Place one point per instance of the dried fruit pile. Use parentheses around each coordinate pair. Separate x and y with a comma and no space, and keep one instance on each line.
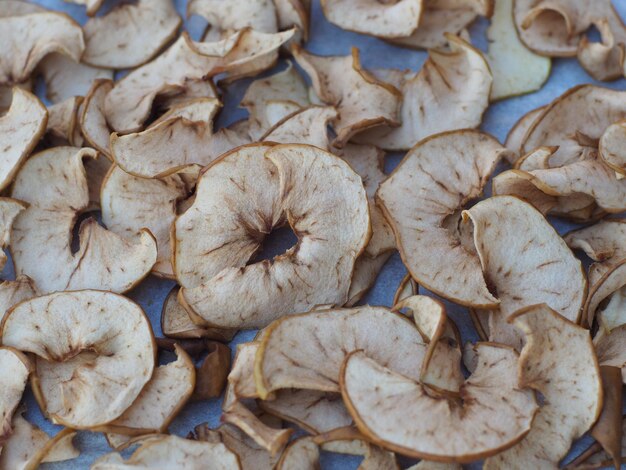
(120,176)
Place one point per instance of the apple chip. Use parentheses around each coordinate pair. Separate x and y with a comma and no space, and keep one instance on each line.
(525,260)
(306,126)
(382,19)
(315,412)
(604,242)
(443,17)
(302,453)
(361,100)
(20,130)
(28,446)
(612,286)
(263,187)
(251,455)
(558,361)
(611,147)
(427,465)
(92,120)
(306,351)
(165,394)
(286,88)
(603,60)
(63,128)
(131,204)
(573,124)
(368,161)
(65,78)
(451,91)
(538,159)
(556,27)
(42,234)
(226,16)
(94,353)
(175,322)
(130,34)
(517,134)
(609,347)
(15,368)
(585,181)
(430,187)
(265,435)
(494,414)
(14,292)
(178,139)
(164,451)
(516,70)
(246,52)
(27,39)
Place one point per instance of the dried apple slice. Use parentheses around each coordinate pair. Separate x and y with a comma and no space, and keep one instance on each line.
(517,134)
(495,413)
(315,412)
(368,161)
(589,180)
(538,159)
(268,437)
(62,128)
(92,120)
(29,446)
(180,138)
(162,398)
(558,360)
(361,100)
(611,147)
(226,16)
(525,260)
(285,87)
(304,453)
(306,126)
(15,368)
(256,183)
(129,104)
(65,78)
(42,234)
(306,351)
(27,39)
(130,204)
(556,27)
(573,124)
(20,130)
(86,353)
(130,34)
(604,242)
(612,285)
(14,292)
(430,186)
(516,70)
(241,377)
(381,19)
(251,455)
(175,322)
(603,60)
(443,17)
(171,452)
(451,91)
(609,347)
